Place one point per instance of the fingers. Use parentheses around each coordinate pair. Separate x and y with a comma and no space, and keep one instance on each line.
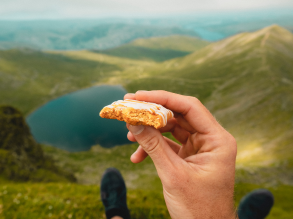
(153,143)
(195,113)
(139,155)
(173,145)
(131,137)
(130,96)
(177,131)
(183,123)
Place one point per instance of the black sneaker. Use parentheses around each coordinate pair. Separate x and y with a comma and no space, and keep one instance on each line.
(113,194)
(256,204)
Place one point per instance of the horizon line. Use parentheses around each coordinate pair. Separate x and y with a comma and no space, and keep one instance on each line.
(153,16)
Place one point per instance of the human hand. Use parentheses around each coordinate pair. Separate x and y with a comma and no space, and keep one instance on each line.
(197,176)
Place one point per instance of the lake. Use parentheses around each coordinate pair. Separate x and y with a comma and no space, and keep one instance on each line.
(72,122)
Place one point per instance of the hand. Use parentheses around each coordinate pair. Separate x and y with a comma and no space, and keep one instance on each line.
(197,176)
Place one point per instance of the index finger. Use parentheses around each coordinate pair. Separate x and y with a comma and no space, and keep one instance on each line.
(191,108)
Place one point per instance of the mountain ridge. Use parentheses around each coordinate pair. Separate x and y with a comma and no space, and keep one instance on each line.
(245,81)
(238,79)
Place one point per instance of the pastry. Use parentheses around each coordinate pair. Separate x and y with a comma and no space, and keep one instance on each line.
(137,112)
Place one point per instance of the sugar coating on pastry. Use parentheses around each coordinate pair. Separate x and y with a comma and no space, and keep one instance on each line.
(137,112)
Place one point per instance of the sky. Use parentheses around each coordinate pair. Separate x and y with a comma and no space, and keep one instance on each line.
(64,9)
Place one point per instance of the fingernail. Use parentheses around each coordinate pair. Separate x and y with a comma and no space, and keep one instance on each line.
(141,91)
(136,129)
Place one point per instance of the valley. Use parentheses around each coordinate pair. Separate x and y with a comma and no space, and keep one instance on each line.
(246,81)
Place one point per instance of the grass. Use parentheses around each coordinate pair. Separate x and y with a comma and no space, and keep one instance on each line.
(31,78)
(88,166)
(142,53)
(59,200)
(157,48)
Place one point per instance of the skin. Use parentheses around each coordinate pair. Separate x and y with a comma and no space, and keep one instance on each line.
(198,175)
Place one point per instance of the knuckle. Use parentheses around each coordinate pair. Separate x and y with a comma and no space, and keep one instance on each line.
(150,144)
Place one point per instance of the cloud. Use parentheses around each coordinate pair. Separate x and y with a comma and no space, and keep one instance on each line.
(100,8)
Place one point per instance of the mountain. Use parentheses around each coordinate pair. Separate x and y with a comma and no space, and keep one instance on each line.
(30,78)
(247,83)
(21,158)
(157,48)
(245,80)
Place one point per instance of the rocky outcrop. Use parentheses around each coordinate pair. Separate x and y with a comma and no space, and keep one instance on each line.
(21,157)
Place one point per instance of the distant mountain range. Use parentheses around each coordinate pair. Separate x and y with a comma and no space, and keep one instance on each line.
(76,37)
(101,34)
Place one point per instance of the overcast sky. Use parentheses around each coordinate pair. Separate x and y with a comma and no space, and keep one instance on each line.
(55,9)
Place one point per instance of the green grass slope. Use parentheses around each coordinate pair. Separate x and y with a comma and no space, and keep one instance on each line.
(157,48)
(88,166)
(73,201)
(247,83)
(175,42)
(145,198)
(30,78)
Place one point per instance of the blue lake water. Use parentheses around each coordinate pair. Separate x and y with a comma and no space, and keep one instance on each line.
(72,122)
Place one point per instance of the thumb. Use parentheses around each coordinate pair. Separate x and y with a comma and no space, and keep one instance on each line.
(152,141)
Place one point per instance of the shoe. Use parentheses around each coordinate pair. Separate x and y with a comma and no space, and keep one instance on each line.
(113,194)
(256,204)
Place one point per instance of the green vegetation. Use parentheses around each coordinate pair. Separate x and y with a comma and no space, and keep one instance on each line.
(88,166)
(21,158)
(31,78)
(157,48)
(175,42)
(60,200)
(145,199)
(246,81)
(142,53)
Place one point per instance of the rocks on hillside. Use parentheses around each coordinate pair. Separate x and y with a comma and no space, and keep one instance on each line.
(21,158)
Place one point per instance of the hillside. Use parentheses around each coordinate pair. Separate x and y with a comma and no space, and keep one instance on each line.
(30,78)
(245,80)
(21,158)
(157,48)
(247,83)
